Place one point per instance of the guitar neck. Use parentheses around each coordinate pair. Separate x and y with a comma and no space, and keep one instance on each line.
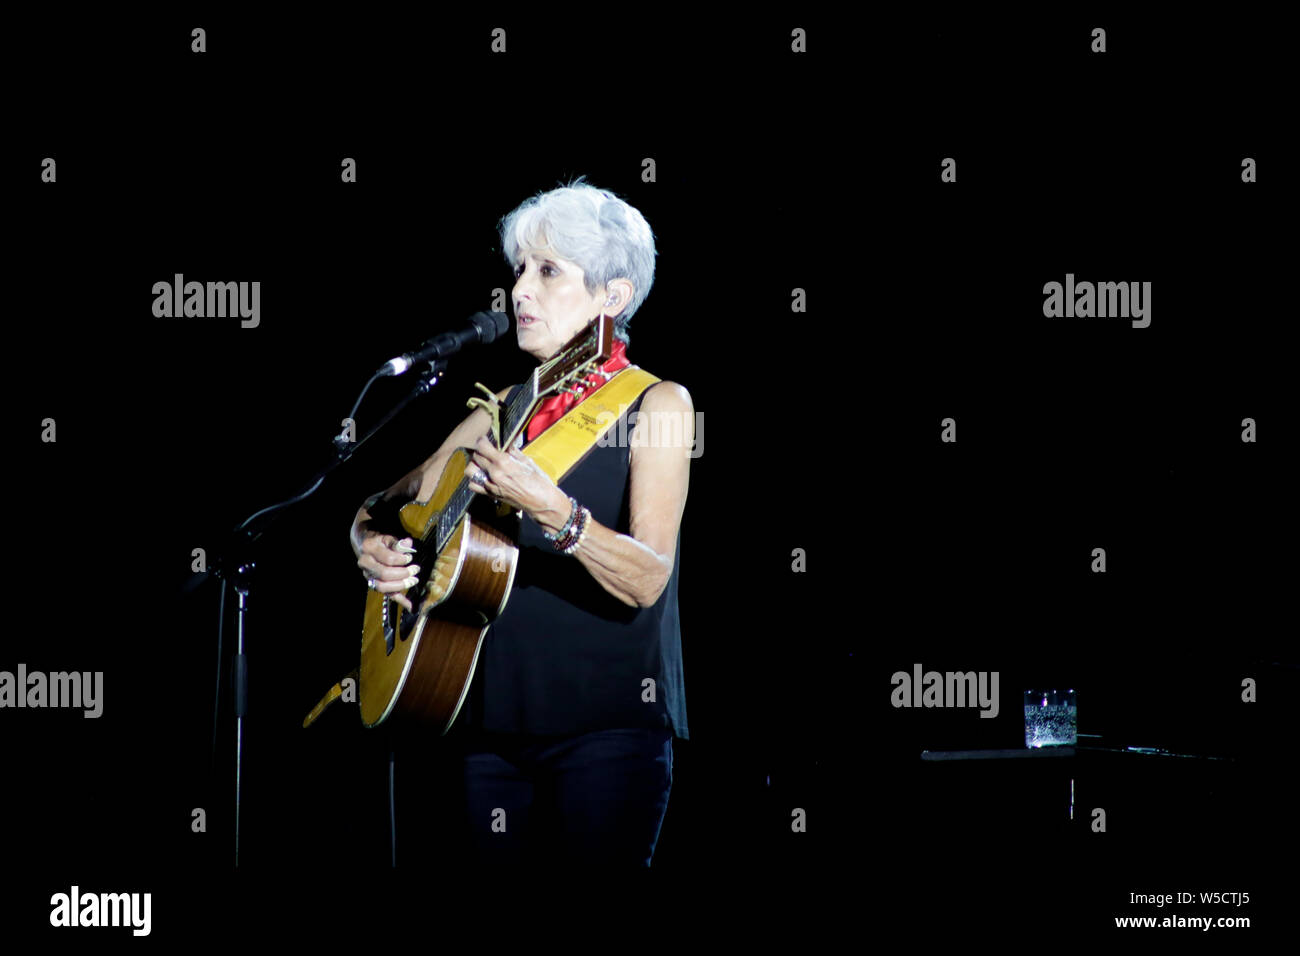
(520,409)
(513,418)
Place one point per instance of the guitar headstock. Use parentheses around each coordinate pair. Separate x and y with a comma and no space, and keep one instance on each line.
(589,348)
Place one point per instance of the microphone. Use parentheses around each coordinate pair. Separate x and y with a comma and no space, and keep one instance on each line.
(484,327)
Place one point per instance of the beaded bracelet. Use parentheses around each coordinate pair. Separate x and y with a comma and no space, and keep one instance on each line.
(579,533)
(565,540)
(586,520)
(573,514)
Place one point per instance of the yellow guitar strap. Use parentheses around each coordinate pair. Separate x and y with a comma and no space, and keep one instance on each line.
(560,448)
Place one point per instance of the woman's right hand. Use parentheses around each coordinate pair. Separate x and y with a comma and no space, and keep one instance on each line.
(387,562)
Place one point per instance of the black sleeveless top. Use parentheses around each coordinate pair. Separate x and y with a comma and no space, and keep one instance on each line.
(566,657)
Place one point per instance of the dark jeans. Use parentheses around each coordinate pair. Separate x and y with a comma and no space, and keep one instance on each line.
(594,800)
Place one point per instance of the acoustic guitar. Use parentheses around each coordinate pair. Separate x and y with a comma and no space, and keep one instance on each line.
(418,664)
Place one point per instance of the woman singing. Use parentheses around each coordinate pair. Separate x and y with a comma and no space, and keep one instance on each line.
(566,734)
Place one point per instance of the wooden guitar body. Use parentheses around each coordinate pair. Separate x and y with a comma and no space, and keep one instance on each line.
(419,665)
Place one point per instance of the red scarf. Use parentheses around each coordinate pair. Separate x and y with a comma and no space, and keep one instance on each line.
(557,406)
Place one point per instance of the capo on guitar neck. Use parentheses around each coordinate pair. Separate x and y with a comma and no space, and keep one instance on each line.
(491,405)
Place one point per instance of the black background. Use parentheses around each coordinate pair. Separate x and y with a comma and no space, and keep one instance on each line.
(774,171)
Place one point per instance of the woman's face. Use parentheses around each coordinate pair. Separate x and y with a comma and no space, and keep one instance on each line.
(551,303)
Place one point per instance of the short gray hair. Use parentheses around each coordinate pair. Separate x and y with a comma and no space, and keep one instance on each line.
(606,237)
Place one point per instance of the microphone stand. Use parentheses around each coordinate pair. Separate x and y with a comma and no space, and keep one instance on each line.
(236,564)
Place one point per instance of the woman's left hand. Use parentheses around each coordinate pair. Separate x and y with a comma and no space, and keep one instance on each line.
(514,478)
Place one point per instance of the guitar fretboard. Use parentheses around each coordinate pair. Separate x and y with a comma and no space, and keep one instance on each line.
(518,410)
(513,417)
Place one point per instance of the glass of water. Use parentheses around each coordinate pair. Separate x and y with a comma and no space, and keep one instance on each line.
(1050,718)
